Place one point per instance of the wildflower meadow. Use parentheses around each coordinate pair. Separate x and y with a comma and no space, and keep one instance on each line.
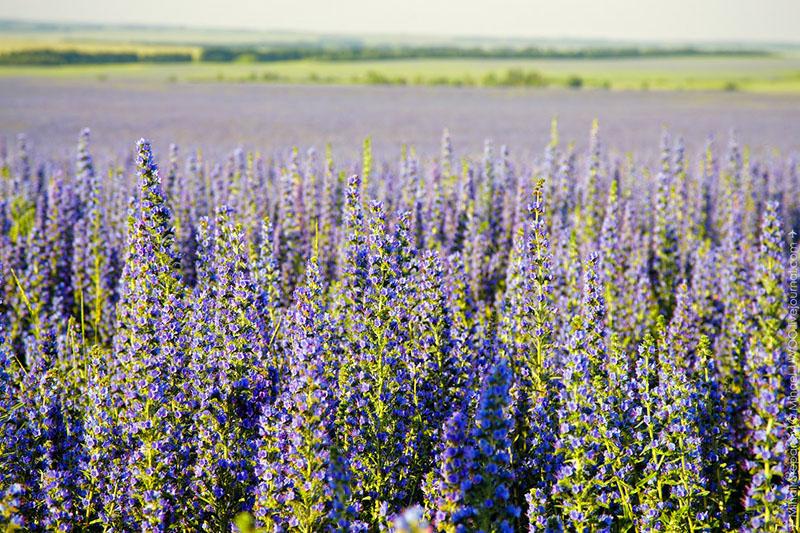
(579,341)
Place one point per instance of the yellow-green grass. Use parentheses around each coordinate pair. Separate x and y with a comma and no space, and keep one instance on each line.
(18,42)
(756,74)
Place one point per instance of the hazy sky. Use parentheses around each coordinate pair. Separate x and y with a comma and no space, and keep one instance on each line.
(735,20)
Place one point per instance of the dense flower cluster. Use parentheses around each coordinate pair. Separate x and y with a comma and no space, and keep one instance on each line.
(576,343)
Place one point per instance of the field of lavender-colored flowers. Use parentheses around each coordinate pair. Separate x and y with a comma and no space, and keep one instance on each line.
(221,117)
(575,340)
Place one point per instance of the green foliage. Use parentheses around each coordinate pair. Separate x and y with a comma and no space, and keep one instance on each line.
(514,78)
(23,217)
(373,53)
(574,82)
(48,57)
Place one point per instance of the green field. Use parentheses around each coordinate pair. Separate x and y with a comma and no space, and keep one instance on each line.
(777,72)
(770,74)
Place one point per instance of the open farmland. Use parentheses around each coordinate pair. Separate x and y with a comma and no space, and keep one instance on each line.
(779,74)
(284,57)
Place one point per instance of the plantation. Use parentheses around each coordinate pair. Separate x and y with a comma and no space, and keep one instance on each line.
(578,342)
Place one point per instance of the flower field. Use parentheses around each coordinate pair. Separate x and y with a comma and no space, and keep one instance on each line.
(579,342)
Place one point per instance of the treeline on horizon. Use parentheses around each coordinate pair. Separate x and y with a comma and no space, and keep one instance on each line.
(361,53)
(49,57)
(221,54)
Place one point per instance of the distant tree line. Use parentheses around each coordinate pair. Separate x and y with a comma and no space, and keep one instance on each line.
(362,53)
(221,54)
(48,57)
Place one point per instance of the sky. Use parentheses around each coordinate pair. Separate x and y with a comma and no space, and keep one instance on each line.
(650,20)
